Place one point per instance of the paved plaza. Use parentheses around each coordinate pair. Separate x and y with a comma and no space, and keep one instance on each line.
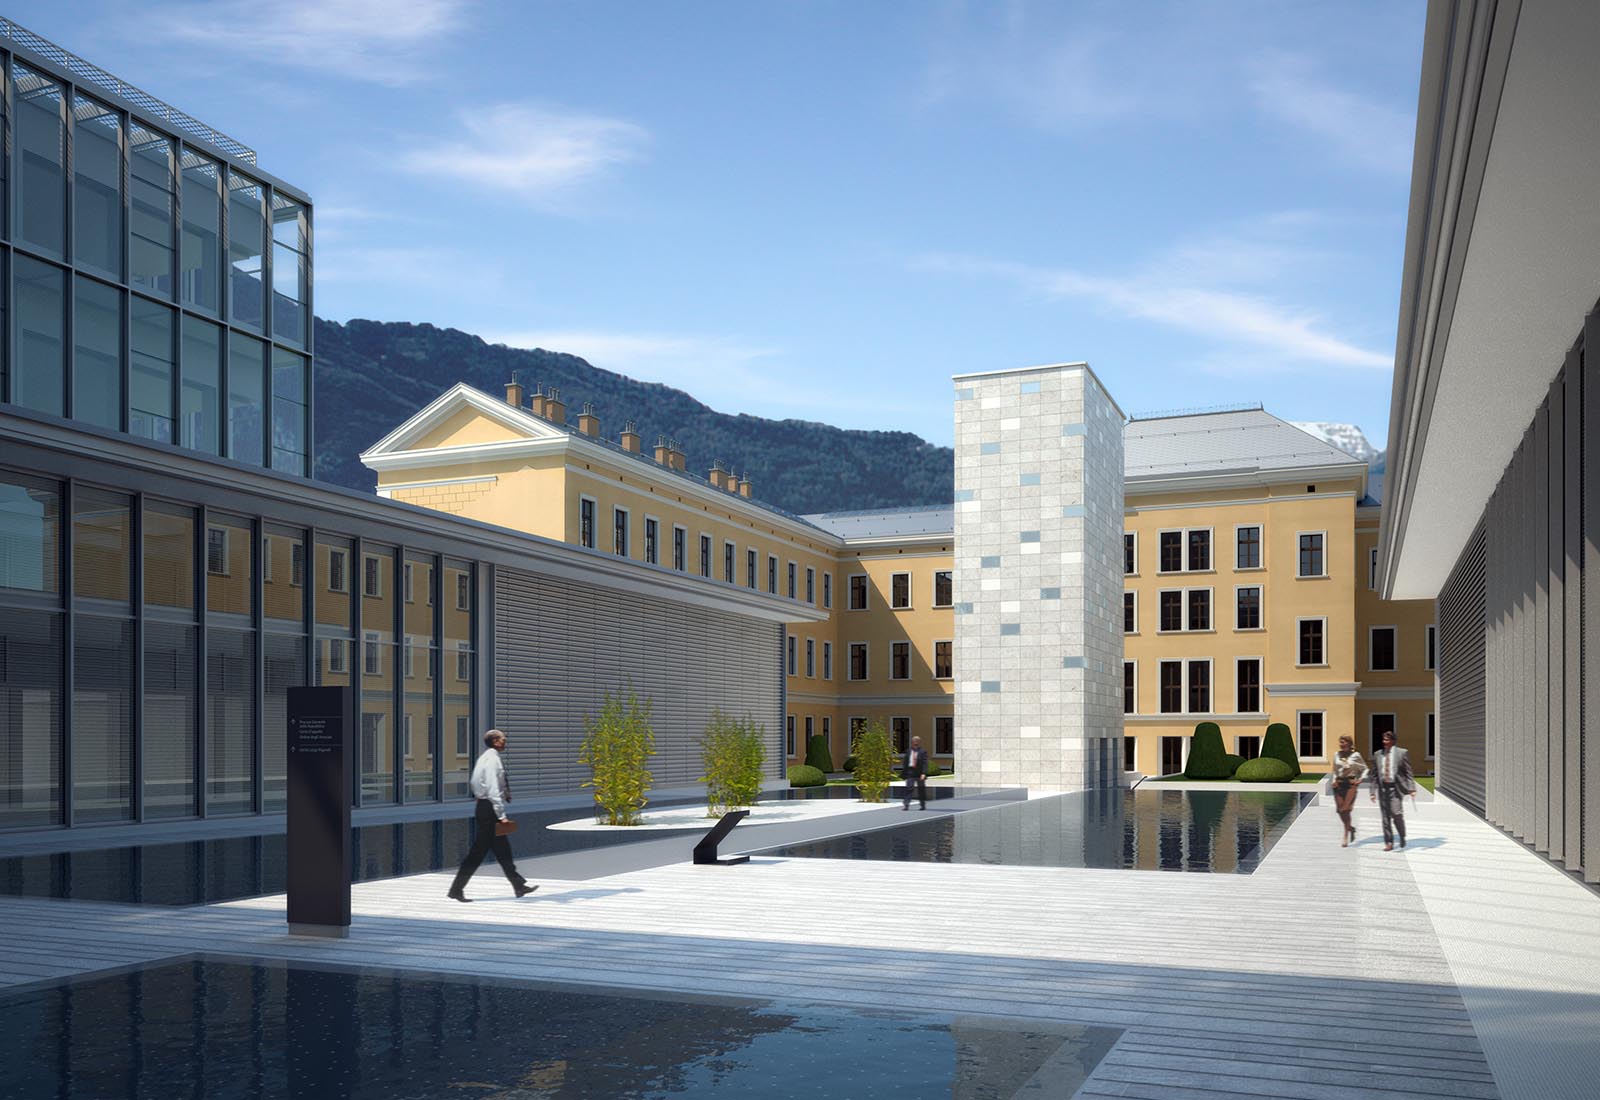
(1463,966)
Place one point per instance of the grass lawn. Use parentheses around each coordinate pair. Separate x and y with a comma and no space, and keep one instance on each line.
(1425,781)
(1308,777)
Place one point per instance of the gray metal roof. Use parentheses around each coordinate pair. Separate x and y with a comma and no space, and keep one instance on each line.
(1224,442)
(879,523)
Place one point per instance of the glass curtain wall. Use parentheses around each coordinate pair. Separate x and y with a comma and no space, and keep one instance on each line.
(419,672)
(230,574)
(97,187)
(171,661)
(376,727)
(457,674)
(283,652)
(31,639)
(102,655)
(152,194)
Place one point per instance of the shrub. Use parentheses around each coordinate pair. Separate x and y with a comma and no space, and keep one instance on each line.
(734,752)
(1264,769)
(1207,758)
(1279,744)
(1233,762)
(818,755)
(874,762)
(934,769)
(850,763)
(804,775)
(617,746)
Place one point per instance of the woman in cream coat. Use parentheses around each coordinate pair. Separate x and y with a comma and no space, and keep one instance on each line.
(1348,772)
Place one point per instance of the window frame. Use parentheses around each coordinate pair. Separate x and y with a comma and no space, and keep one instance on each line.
(1183,534)
(850,593)
(1161,686)
(1261,687)
(811,658)
(1130,610)
(652,539)
(730,561)
(950,582)
(827,660)
(790,655)
(850,662)
(1261,609)
(368,591)
(1372,569)
(1430,648)
(827,589)
(950,656)
(811,585)
(793,578)
(788,724)
(588,513)
(1261,547)
(705,555)
(1130,690)
(680,548)
(1130,553)
(1299,717)
(1185,618)
(226,550)
(1298,641)
(1372,648)
(1430,747)
(950,724)
(621,531)
(1299,561)
(896,648)
(752,568)
(1210,664)
(909,605)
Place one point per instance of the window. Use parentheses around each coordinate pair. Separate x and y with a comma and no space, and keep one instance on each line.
(247,245)
(1310,723)
(1199,609)
(463,736)
(1171,687)
(1186,550)
(680,559)
(1433,735)
(827,725)
(1312,546)
(788,731)
(1130,612)
(586,523)
(811,657)
(463,592)
(942,661)
(858,592)
(858,661)
(290,270)
(200,250)
(752,565)
(1429,655)
(944,590)
(1130,687)
(463,662)
(619,532)
(1129,753)
(372,576)
(728,551)
(200,403)
(297,564)
(1372,569)
(1313,641)
(794,587)
(827,660)
(247,399)
(1248,745)
(899,660)
(1200,687)
(336,655)
(857,724)
(1171,552)
(652,552)
(900,727)
(151,183)
(1381,724)
(1248,677)
(810,728)
(789,650)
(1247,608)
(97,354)
(900,591)
(811,585)
(827,590)
(336,572)
(371,660)
(290,426)
(39,215)
(150,411)
(705,555)
(1130,554)
(217,551)
(944,735)
(1381,646)
(1247,553)
(406,582)
(1199,551)
(1171,617)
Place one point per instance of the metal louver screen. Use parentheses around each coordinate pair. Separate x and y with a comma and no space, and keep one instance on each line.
(1461,678)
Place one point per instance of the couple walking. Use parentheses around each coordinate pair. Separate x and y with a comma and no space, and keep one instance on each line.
(1392,781)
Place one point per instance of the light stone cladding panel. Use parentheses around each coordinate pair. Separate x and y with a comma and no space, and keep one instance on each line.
(1038,578)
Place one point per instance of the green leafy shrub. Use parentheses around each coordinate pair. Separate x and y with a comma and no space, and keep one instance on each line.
(1207,758)
(818,755)
(804,775)
(934,769)
(617,747)
(850,763)
(874,757)
(734,752)
(1234,761)
(1264,769)
(1279,744)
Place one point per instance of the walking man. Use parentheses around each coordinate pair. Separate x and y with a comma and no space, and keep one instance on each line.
(914,770)
(1391,770)
(490,788)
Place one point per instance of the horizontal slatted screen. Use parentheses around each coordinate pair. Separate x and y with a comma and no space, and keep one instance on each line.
(560,646)
(1461,678)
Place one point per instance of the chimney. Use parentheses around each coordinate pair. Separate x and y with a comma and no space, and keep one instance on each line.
(630,437)
(514,393)
(675,456)
(538,399)
(588,422)
(555,410)
(663,451)
(744,486)
(716,476)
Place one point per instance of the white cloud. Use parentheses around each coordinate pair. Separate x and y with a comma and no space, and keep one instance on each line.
(1357,130)
(379,40)
(536,153)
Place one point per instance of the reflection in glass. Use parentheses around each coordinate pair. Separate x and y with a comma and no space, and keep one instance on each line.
(375,734)
(38,380)
(102,529)
(290,270)
(230,720)
(247,234)
(150,410)
(247,381)
(169,556)
(202,379)
(419,666)
(289,427)
(97,354)
(97,186)
(40,180)
(200,276)
(285,657)
(331,600)
(102,712)
(30,532)
(229,576)
(283,554)
(170,655)
(457,675)
(150,208)
(30,702)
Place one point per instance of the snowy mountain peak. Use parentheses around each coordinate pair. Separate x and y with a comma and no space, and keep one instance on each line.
(1347,437)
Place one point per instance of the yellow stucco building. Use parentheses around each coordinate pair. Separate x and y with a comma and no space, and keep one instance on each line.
(1249,594)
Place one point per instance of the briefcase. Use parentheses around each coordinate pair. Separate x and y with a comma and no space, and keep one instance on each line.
(504,828)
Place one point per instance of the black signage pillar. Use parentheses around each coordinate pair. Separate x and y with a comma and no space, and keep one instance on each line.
(319,811)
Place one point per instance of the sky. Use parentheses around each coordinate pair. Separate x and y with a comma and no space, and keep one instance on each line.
(823,210)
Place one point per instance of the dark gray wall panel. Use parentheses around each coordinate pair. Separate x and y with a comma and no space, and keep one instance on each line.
(1462,642)
(1572,653)
(1536,776)
(1589,766)
(1555,665)
(560,646)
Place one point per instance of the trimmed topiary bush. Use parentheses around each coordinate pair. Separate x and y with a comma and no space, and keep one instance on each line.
(1234,760)
(1279,744)
(1207,758)
(1264,769)
(804,775)
(818,755)
(850,763)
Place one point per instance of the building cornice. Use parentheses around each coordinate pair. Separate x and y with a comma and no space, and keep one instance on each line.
(1307,689)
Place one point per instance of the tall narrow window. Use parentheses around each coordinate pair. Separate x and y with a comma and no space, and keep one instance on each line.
(1433,735)
(772,574)
(619,532)
(727,561)
(1171,687)
(1199,609)
(752,565)
(1372,569)
(150,412)
(152,187)
(827,590)
(1249,685)
(944,735)
(1247,615)
(39,349)
(586,523)
(97,354)
(679,550)
(247,389)
(200,252)
(201,412)
(1429,656)
(900,590)
(1130,554)
(1171,552)
(943,588)
(1313,643)
(1171,610)
(858,661)
(789,655)
(1199,551)
(1248,553)
(899,660)
(705,556)
(1311,555)
(942,664)
(811,585)
(794,586)
(97,187)
(1130,684)
(1199,687)
(39,184)
(290,431)
(858,592)
(290,269)
(1310,722)
(651,553)
(1130,612)
(827,662)
(247,237)
(1383,649)
(811,657)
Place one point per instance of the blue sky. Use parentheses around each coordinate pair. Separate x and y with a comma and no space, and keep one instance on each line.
(823,210)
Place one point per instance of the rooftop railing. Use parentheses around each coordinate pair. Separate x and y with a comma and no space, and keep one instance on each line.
(93,76)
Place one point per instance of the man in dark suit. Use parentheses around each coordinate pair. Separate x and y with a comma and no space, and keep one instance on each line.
(1391,782)
(914,770)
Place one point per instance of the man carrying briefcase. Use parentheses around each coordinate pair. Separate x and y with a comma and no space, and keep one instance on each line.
(490,788)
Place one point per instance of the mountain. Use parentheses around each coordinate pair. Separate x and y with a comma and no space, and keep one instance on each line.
(1347,437)
(372,376)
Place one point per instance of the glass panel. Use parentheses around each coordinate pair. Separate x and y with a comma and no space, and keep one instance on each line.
(377,592)
(202,380)
(290,273)
(289,428)
(30,534)
(101,548)
(283,575)
(38,380)
(247,235)
(200,274)
(150,410)
(285,656)
(150,194)
(102,713)
(97,354)
(456,723)
(170,656)
(41,193)
(97,186)
(420,665)
(247,387)
(228,568)
(230,720)
(333,583)
(168,556)
(375,743)
(30,712)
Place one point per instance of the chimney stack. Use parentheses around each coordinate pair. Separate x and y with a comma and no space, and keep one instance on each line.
(514,393)
(744,486)
(630,437)
(716,476)
(675,456)
(663,451)
(555,410)
(588,422)
(538,400)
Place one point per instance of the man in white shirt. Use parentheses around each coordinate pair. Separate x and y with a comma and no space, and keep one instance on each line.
(490,788)
(1391,775)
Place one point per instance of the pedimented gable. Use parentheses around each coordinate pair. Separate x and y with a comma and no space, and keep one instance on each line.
(463,427)
(461,418)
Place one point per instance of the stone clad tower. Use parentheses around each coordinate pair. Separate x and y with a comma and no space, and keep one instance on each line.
(1038,578)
